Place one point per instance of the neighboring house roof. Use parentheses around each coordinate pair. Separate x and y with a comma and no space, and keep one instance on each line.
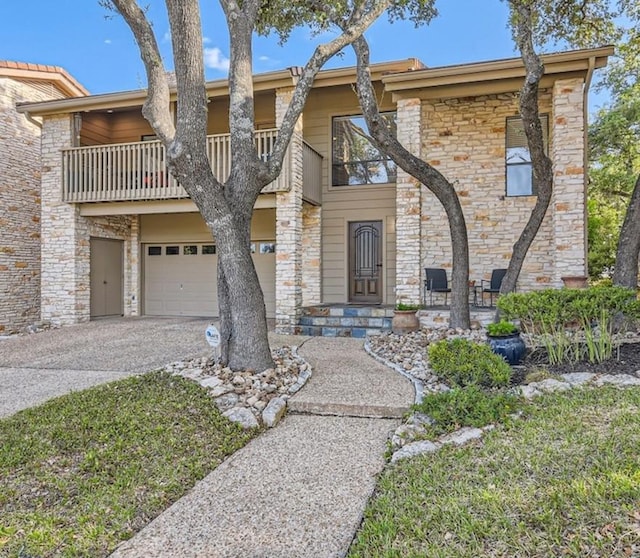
(54,75)
(399,77)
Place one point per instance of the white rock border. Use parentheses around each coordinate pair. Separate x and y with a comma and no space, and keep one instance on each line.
(252,399)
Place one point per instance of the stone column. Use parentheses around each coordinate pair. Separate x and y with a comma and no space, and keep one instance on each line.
(311,254)
(289,230)
(65,238)
(132,269)
(408,208)
(569,207)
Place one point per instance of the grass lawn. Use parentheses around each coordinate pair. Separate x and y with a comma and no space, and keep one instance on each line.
(87,470)
(565,481)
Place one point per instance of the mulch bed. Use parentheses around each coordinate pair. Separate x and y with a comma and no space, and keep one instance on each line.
(626,361)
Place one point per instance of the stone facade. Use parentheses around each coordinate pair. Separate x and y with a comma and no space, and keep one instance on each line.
(569,202)
(289,231)
(408,208)
(66,235)
(19,207)
(465,140)
(311,254)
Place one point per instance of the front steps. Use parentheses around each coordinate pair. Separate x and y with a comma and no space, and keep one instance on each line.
(345,320)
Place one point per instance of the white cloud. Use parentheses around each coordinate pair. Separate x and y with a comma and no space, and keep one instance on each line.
(213,58)
(264,58)
(166,38)
(107,41)
(206,40)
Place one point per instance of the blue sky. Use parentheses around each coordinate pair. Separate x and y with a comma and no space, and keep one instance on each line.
(97,48)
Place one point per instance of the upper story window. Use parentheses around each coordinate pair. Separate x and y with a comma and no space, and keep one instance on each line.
(518,159)
(355,160)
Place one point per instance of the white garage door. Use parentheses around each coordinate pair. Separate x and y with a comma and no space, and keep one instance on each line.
(180,278)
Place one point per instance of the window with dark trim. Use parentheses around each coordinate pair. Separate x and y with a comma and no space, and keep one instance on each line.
(172,250)
(208,249)
(519,171)
(155,250)
(190,250)
(356,161)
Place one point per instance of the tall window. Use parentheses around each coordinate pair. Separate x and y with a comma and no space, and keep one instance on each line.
(518,159)
(355,160)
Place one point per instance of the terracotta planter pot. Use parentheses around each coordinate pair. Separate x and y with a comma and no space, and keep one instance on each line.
(405,321)
(575,281)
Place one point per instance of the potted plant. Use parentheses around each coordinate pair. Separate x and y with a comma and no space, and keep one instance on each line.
(405,318)
(504,340)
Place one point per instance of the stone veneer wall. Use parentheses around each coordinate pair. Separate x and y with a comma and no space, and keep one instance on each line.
(465,140)
(289,231)
(311,254)
(569,202)
(66,235)
(19,208)
(408,202)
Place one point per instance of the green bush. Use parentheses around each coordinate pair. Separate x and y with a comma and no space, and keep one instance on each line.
(501,328)
(467,406)
(461,362)
(573,324)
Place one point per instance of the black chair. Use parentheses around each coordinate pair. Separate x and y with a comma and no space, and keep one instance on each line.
(492,287)
(435,282)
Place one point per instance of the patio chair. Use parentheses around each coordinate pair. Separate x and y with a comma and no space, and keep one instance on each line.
(435,282)
(492,287)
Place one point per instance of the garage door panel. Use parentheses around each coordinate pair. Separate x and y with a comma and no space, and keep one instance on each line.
(186,284)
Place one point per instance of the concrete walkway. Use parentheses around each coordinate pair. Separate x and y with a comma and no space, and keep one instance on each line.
(300,489)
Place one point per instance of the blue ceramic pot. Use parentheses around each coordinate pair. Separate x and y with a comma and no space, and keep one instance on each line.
(510,347)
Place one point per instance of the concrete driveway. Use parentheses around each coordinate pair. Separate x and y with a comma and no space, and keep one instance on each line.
(34,368)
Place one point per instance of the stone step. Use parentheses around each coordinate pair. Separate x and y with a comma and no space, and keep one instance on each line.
(345,409)
(359,332)
(345,321)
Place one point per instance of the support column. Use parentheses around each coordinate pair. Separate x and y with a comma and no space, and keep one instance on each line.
(289,230)
(408,208)
(569,197)
(311,254)
(132,269)
(65,236)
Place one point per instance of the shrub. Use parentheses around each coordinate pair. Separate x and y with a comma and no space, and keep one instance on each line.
(501,328)
(467,406)
(461,362)
(564,321)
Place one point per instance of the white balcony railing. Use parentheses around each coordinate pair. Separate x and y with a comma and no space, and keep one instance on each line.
(138,171)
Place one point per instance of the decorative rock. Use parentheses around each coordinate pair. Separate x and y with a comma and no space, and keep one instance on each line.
(274,412)
(622,380)
(406,433)
(551,385)
(578,378)
(211,382)
(243,416)
(529,392)
(219,390)
(415,448)
(462,436)
(226,402)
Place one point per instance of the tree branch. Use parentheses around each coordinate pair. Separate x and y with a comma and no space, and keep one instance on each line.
(156,108)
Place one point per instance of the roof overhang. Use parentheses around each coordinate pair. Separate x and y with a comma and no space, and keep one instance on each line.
(497,76)
(262,83)
(55,75)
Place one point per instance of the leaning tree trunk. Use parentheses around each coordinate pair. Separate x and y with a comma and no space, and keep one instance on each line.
(625,273)
(540,162)
(427,175)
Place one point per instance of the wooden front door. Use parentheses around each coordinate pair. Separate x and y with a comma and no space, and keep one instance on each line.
(365,262)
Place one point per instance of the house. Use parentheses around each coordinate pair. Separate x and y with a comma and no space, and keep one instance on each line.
(342,225)
(20,169)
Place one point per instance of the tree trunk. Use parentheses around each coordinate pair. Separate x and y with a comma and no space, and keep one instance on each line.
(431,178)
(625,273)
(540,162)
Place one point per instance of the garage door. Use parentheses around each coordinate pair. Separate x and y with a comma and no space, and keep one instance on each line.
(180,279)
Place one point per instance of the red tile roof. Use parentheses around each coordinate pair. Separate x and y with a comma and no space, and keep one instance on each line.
(58,75)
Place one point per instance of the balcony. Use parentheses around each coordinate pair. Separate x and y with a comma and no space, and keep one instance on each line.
(138,171)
